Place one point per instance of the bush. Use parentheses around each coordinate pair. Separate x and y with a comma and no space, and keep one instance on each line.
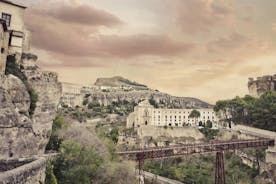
(114,134)
(209,124)
(76,163)
(85,102)
(209,133)
(55,142)
(50,176)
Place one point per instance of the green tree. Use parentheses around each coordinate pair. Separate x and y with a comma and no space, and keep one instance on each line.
(209,124)
(194,114)
(76,163)
(55,142)
(256,112)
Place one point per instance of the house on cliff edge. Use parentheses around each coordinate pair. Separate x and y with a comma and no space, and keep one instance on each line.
(4,45)
(19,37)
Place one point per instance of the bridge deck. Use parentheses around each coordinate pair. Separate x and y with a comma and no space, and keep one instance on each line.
(189,149)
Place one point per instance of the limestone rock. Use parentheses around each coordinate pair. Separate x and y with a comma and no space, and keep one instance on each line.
(22,135)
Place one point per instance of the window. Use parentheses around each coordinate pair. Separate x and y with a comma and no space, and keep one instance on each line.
(7,18)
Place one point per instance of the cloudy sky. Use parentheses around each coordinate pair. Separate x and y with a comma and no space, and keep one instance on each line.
(200,48)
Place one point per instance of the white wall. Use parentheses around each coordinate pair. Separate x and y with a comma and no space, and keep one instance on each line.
(168,117)
(4,38)
(17,21)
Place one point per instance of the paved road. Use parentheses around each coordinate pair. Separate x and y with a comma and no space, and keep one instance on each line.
(160,179)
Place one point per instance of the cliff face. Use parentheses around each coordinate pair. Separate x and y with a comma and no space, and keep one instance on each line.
(23,134)
(161,99)
(261,85)
(119,82)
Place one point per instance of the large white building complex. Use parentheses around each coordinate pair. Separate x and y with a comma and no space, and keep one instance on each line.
(145,115)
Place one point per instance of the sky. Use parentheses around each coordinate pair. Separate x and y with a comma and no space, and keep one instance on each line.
(193,48)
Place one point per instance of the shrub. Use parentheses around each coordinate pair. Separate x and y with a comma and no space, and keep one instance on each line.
(76,163)
(50,176)
(85,102)
(55,142)
(209,133)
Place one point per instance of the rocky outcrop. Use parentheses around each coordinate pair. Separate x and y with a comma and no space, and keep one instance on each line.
(261,85)
(28,173)
(23,134)
(119,82)
(161,99)
(119,89)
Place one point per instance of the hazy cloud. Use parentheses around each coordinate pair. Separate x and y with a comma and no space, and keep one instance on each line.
(193,16)
(80,14)
(53,32)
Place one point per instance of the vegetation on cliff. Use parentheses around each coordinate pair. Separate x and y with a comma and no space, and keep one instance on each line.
(94,109)
(13,68)
(86,155)
(55,141)
(256,112)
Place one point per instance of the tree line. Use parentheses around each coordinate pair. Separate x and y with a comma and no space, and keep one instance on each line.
(256,112)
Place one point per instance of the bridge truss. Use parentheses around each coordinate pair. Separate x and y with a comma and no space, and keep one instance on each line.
(218,147)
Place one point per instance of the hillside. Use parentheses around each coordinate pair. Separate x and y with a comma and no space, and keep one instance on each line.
(118,81)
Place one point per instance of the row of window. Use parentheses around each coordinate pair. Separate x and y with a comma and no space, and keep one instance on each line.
(184,112)
(184,117)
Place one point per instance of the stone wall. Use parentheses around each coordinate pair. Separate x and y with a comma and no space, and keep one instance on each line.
(271,151)
(261,85)
(30,173)
(156,132)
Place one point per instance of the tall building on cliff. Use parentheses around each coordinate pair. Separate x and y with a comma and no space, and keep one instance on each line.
(4,45)
(259,86)
(13,15)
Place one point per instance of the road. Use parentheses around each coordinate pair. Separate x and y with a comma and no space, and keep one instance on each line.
(160,179)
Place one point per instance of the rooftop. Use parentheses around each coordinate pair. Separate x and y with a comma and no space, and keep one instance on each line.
(12,3)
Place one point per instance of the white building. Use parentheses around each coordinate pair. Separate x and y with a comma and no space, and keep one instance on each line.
(71,94)
(145,114)
(13,14)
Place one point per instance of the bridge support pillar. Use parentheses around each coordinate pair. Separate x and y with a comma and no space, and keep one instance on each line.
(220,173)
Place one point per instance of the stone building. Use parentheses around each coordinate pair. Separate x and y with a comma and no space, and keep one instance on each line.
(4,45)
(13,14)
(145,115)
(259,86)
(71,94)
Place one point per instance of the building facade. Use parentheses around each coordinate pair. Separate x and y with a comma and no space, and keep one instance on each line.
(4,45)
(146,115)
(13,14)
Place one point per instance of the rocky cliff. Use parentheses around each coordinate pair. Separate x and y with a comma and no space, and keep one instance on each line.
(156,98)
(28,105)
(119,82)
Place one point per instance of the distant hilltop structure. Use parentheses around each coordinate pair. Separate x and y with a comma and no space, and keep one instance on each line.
(119,82)
(259,86)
